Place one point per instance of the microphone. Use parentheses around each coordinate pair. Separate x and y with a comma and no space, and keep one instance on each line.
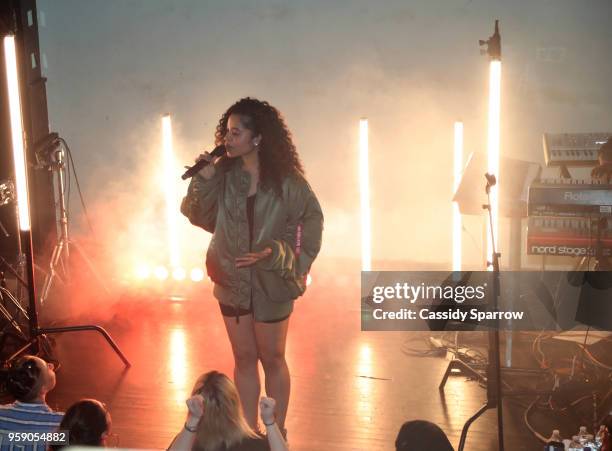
(193,170)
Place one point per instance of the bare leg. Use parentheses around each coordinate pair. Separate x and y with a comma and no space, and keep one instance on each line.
(246,375)
(271,339)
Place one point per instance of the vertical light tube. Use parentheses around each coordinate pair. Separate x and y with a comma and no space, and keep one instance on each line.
(457,169)
(19,156)
(21,182)
(364,186)
(493,149)
(170,177)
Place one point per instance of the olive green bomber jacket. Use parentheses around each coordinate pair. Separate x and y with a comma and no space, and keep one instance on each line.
(291,226)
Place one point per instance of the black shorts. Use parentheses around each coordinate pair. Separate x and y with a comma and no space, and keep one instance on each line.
(230,312)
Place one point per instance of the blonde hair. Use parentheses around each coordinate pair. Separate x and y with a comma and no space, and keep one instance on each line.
(223,422)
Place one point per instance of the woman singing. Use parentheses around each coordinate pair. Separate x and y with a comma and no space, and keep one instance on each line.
(267,225)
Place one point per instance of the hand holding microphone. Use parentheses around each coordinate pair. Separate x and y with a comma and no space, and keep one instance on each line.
(203,166)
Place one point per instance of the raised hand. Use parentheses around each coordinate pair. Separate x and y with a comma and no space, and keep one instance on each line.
(209,170)
(267,409)
(195,405)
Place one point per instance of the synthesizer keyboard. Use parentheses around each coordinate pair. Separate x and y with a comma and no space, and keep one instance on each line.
(569,237)
(570,198)
(573,149)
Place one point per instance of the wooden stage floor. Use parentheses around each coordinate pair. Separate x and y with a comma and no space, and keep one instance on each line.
(351,390)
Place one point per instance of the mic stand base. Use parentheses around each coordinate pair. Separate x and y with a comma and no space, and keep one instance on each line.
(464,368)
(39,334)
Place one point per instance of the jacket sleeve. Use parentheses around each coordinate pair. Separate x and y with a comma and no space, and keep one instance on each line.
(293,255)
(201,203)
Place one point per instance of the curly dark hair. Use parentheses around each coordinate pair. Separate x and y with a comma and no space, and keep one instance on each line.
(278,157)
(22,380)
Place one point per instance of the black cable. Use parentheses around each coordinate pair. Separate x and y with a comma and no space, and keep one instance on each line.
(76,179)
(541,403)
(69,176)
(66,178)
(590,243)
(586,336)
(467,354)
(431,352)
(594,360)
(67,191)
(557,303)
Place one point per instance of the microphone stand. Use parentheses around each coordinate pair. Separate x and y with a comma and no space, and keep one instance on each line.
(493,371)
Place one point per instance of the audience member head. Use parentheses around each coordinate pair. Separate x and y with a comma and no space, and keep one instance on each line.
(223,422)
(29,379)
(88,422)
(419,435)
